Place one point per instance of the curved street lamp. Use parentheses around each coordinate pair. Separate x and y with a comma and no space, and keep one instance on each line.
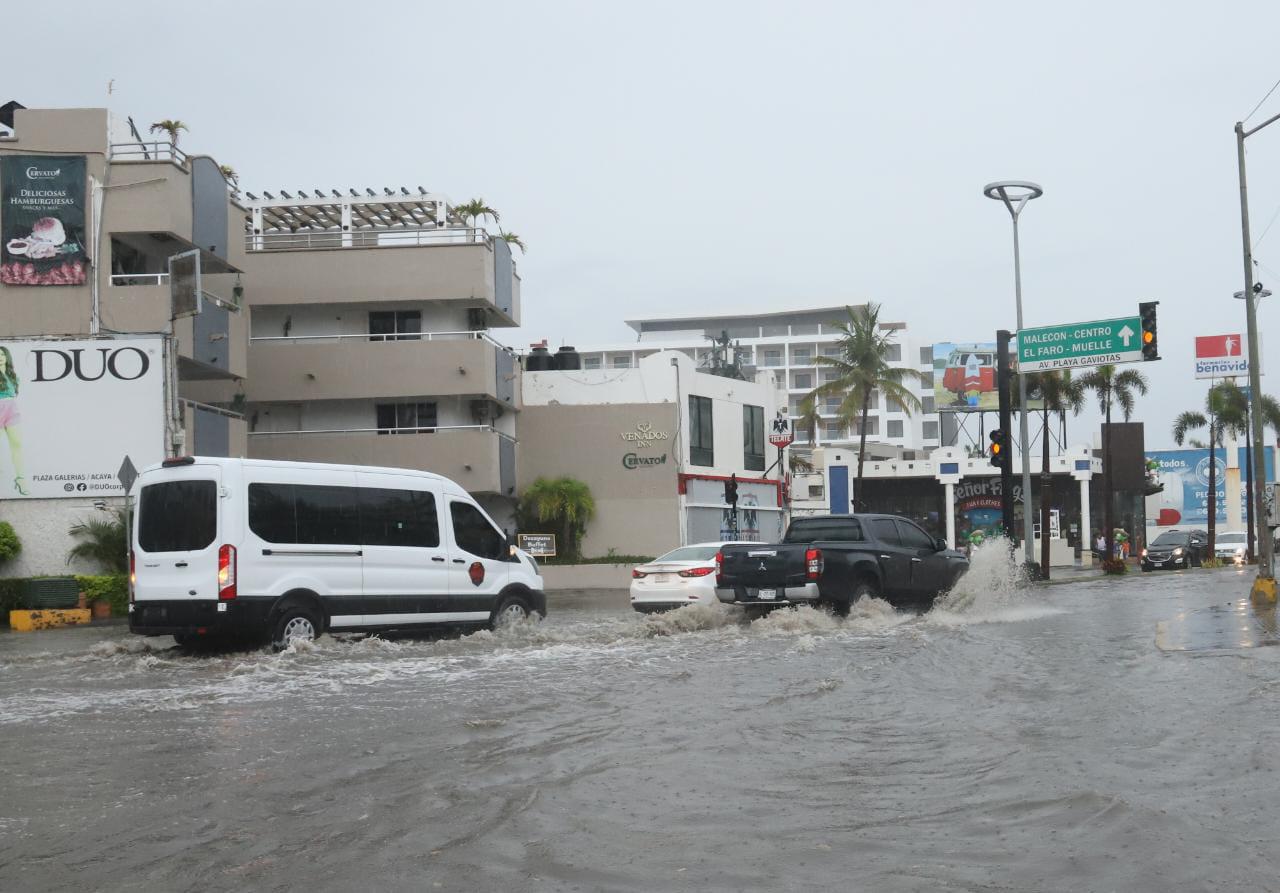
(1015,194)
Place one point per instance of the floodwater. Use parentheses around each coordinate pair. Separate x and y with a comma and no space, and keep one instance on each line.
(1006,740)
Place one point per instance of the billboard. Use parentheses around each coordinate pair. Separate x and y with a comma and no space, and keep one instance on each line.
(1185,476)
(1221,356)
(71,411)
(964,377)
(43,237)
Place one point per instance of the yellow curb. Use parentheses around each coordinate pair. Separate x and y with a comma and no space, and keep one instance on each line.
(1264,591)
(51,618)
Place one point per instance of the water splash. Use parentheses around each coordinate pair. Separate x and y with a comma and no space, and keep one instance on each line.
(995,590)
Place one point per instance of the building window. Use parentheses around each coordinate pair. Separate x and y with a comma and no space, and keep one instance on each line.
(873,426)
(927,405)
(701,432)
(926,356)
(832,431)
(395,325)
(830,375)
(406,418)
(894,353)
(893,428)
(804,380)
(930,430)
(831,350)
(926,380)
(801,356)
(832,404)
(590,362)
(753,438)
(772,357)
(892,405)
(622,361)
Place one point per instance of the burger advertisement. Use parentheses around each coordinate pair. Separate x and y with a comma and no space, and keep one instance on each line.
(42,220)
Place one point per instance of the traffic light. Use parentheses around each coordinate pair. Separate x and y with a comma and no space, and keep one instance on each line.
(1150,346)
(999,448)
(731,490)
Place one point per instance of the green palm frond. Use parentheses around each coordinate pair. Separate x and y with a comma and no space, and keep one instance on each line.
(1185,422)
(171,128)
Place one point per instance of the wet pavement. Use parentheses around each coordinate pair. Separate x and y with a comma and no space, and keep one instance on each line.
(1072,737)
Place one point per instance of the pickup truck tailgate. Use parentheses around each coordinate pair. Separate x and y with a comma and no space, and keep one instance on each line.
(763,566)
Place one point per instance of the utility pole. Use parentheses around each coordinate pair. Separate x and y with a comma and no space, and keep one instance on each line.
(1264,587)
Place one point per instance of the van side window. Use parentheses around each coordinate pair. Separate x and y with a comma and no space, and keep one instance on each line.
(398,518)
(473,532)
(305,515)
(178,516)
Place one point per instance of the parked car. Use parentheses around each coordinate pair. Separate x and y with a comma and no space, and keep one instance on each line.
(287,550)
(1231,546)
(1175,549)
(683,576)
(834,560)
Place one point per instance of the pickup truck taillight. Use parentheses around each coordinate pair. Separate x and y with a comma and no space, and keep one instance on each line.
(812,564)
(719,569)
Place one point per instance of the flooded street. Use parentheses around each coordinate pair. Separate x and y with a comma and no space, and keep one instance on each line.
(1004,741)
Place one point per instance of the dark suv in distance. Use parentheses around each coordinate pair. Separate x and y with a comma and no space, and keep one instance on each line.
(1174,549)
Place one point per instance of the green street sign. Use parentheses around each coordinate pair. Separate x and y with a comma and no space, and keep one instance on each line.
(1080,344)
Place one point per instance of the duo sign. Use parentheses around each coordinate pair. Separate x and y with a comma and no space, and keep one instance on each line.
(1080,344)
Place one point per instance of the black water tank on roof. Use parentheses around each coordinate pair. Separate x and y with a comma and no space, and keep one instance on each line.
(539,360)
(567,359)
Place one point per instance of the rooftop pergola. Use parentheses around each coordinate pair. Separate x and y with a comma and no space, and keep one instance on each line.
(335,211)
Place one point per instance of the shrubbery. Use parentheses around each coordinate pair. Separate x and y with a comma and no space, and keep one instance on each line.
(10,545)
(111,588)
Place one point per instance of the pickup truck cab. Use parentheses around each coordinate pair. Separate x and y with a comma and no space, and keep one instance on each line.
(834,560)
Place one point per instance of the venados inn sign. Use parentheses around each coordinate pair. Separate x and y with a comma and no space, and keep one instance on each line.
(644,435)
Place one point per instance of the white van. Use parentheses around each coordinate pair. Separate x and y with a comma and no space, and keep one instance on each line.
(285,550)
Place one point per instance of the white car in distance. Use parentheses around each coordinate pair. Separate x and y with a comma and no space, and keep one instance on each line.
(1230,546)
(683,576)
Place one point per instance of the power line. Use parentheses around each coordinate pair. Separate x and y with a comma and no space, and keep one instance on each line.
(1267,228)
(1262,100)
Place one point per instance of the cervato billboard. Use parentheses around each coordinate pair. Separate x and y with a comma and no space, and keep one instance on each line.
(71,411)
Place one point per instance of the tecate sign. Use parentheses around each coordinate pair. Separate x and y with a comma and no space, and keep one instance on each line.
(72,411)
(1221,356)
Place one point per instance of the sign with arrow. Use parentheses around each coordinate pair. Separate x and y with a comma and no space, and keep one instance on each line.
(1070,346)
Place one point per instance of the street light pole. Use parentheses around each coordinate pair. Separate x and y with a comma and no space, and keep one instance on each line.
(1015,194)
(1264,587)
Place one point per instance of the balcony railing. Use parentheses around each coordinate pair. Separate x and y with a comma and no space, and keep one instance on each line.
(127,279)
(425,430)
(160,150)
(380,238)
(373,336)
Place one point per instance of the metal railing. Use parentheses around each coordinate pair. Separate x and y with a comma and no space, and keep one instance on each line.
(422,430)
(396,336)
(160,150)
(127,279)
(217,410)
(367,238)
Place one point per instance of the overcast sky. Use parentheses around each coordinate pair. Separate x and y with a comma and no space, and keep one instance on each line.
(678,158)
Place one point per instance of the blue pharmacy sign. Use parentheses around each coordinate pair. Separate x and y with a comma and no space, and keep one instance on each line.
(1184,501)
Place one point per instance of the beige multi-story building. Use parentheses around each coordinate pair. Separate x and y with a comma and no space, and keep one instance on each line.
(369,338)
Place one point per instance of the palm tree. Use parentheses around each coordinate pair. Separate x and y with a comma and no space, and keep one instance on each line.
(230,173)
(1112,387)
(862,367)
(170,129)
(565,501)
(513,239)
(474,211)
(1216,401)
(1058,393)
(104,540)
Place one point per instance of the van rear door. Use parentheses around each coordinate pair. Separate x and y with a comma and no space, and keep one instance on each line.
(176,534)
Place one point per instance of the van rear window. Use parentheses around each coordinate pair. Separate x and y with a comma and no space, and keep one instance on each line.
(178,516)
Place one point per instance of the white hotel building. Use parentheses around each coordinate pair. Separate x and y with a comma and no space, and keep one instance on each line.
(786,343)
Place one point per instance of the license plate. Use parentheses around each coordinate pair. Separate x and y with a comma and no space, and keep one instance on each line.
(661,578)
(768,594)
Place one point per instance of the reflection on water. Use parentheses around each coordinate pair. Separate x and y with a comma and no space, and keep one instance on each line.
(1237,624)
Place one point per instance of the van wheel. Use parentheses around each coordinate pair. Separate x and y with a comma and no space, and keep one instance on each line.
(294,623)
(512,609)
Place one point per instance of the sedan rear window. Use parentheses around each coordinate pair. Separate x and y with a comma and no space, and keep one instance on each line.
(690,553)
(178,516)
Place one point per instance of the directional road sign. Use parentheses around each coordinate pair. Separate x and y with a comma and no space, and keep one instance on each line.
(1080,344)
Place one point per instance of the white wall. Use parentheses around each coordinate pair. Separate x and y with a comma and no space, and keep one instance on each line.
(42,525)
(349,319)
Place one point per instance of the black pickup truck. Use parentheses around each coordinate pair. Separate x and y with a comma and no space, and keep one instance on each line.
(834,560)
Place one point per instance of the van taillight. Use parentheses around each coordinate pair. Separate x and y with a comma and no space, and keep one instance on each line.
(812,564)
(227,573)
(133,575)
(719,568)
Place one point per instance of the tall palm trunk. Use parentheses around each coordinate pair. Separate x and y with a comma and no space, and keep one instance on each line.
(1046,486)
(862,447)
(1108,517)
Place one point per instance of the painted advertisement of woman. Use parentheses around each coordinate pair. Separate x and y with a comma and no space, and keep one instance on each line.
(9,418)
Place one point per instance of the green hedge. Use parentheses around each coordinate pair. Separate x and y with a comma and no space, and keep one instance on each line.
(114,588)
